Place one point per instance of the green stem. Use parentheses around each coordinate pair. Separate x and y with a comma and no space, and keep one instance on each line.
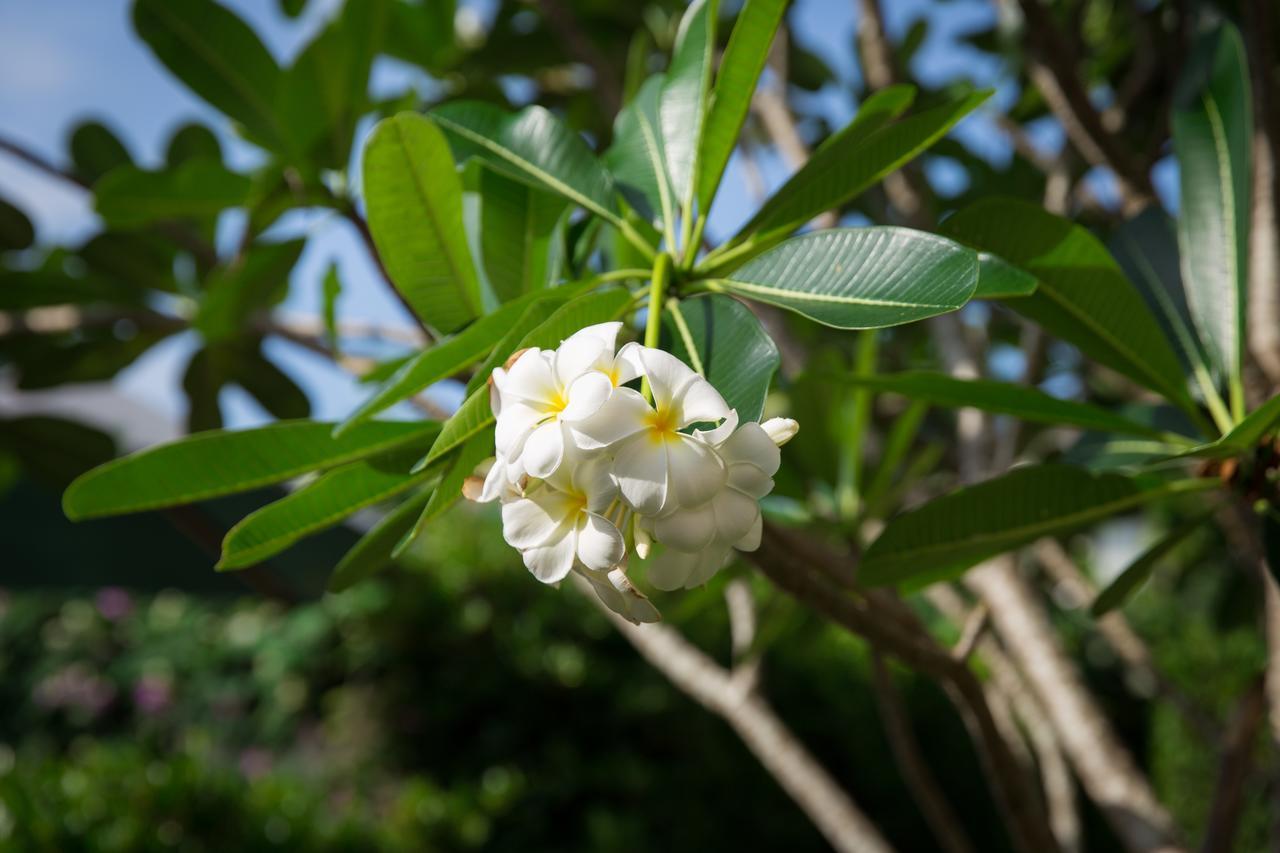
(617,275)
(695,241)
(633,237)
(657,296)
(1236,391)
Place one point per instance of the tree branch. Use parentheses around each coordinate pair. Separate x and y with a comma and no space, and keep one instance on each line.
(695,674)
(562,22)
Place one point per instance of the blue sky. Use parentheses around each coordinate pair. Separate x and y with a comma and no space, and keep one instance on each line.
(67,61)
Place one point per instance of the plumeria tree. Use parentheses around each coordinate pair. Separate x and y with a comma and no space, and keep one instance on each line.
(651,405)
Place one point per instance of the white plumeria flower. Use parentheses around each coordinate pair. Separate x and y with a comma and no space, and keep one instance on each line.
(543,391)
(699,542)
(619,595)
(658,468)
(562,519)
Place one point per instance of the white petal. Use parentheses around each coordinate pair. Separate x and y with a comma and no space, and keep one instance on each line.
(586,395)
(593,478)
(600,544)
(578,355)
(735,515)
(531,378)
(716,437)
(751,541)
(695,472)
(700,401)
(710,561)
(551,563)
(640,467)
(543,450)
(623,414)
(752,444)
(514,425)
(496,379)
(496,484)
(668,377)
(687,529)
(750,480)
(780,430)
(670,569)
(605,333)
(527,523)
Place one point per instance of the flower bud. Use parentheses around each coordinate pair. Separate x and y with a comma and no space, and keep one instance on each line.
(781,430)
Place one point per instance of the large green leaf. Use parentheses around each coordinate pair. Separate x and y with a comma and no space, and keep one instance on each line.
(1006,398)
(519,234)
(948,535)
(638,160)
(218,463)
(446,358)
(16,231)
(218,57)
(320,504)
(1244,436)
(23,289)
(475,414)
(532,145)
(1083,296)
(683,104)
(860,278)
(744,59)
(414,200)
(129,197)
(854,159)
(1212,135)
(720,338)
(1000,280)
(374,550)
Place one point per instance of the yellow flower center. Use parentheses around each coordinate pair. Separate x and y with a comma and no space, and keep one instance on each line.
(662,424)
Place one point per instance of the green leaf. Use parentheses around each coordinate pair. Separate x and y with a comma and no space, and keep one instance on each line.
(1212,134)
(274,389)
(518,234)
(854,159)
(637,159)
(414,199)
(373,551)
(449,489)
(720,338)
(744,59)
(331,291)
(1244,436)
(218,463)
(16,231)
(445,359)
(683,103)
(475,415)
(1006,398)
(320,504)
(192,141)
(534,315)
(218,57)
(1120,590)
(23,289)
(134,260)
(531,145)
(1083,296)
(1000,280)
(129,197)
(860,278)
(202,382)
(96,150)
(948,535)
(233,293)
(324,94)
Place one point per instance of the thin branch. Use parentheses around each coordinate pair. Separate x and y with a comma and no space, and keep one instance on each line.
(695,674)
(1233,771)
(942,819)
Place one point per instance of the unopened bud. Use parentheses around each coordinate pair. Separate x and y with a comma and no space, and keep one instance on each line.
(781,430)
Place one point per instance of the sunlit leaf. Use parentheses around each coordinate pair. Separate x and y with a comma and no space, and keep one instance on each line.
(720,338)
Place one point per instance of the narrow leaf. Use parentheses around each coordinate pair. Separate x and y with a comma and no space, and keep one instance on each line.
(449,489)
(1120,590)
(860,278)
(1212,135)
(946,536)
(1006,398)
(1245,435)
(683,104)
(637,159)
(744,59)
(221,463)
(414,199)
(373,551)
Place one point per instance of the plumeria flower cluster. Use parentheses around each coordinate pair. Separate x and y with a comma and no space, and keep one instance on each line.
(589,471)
